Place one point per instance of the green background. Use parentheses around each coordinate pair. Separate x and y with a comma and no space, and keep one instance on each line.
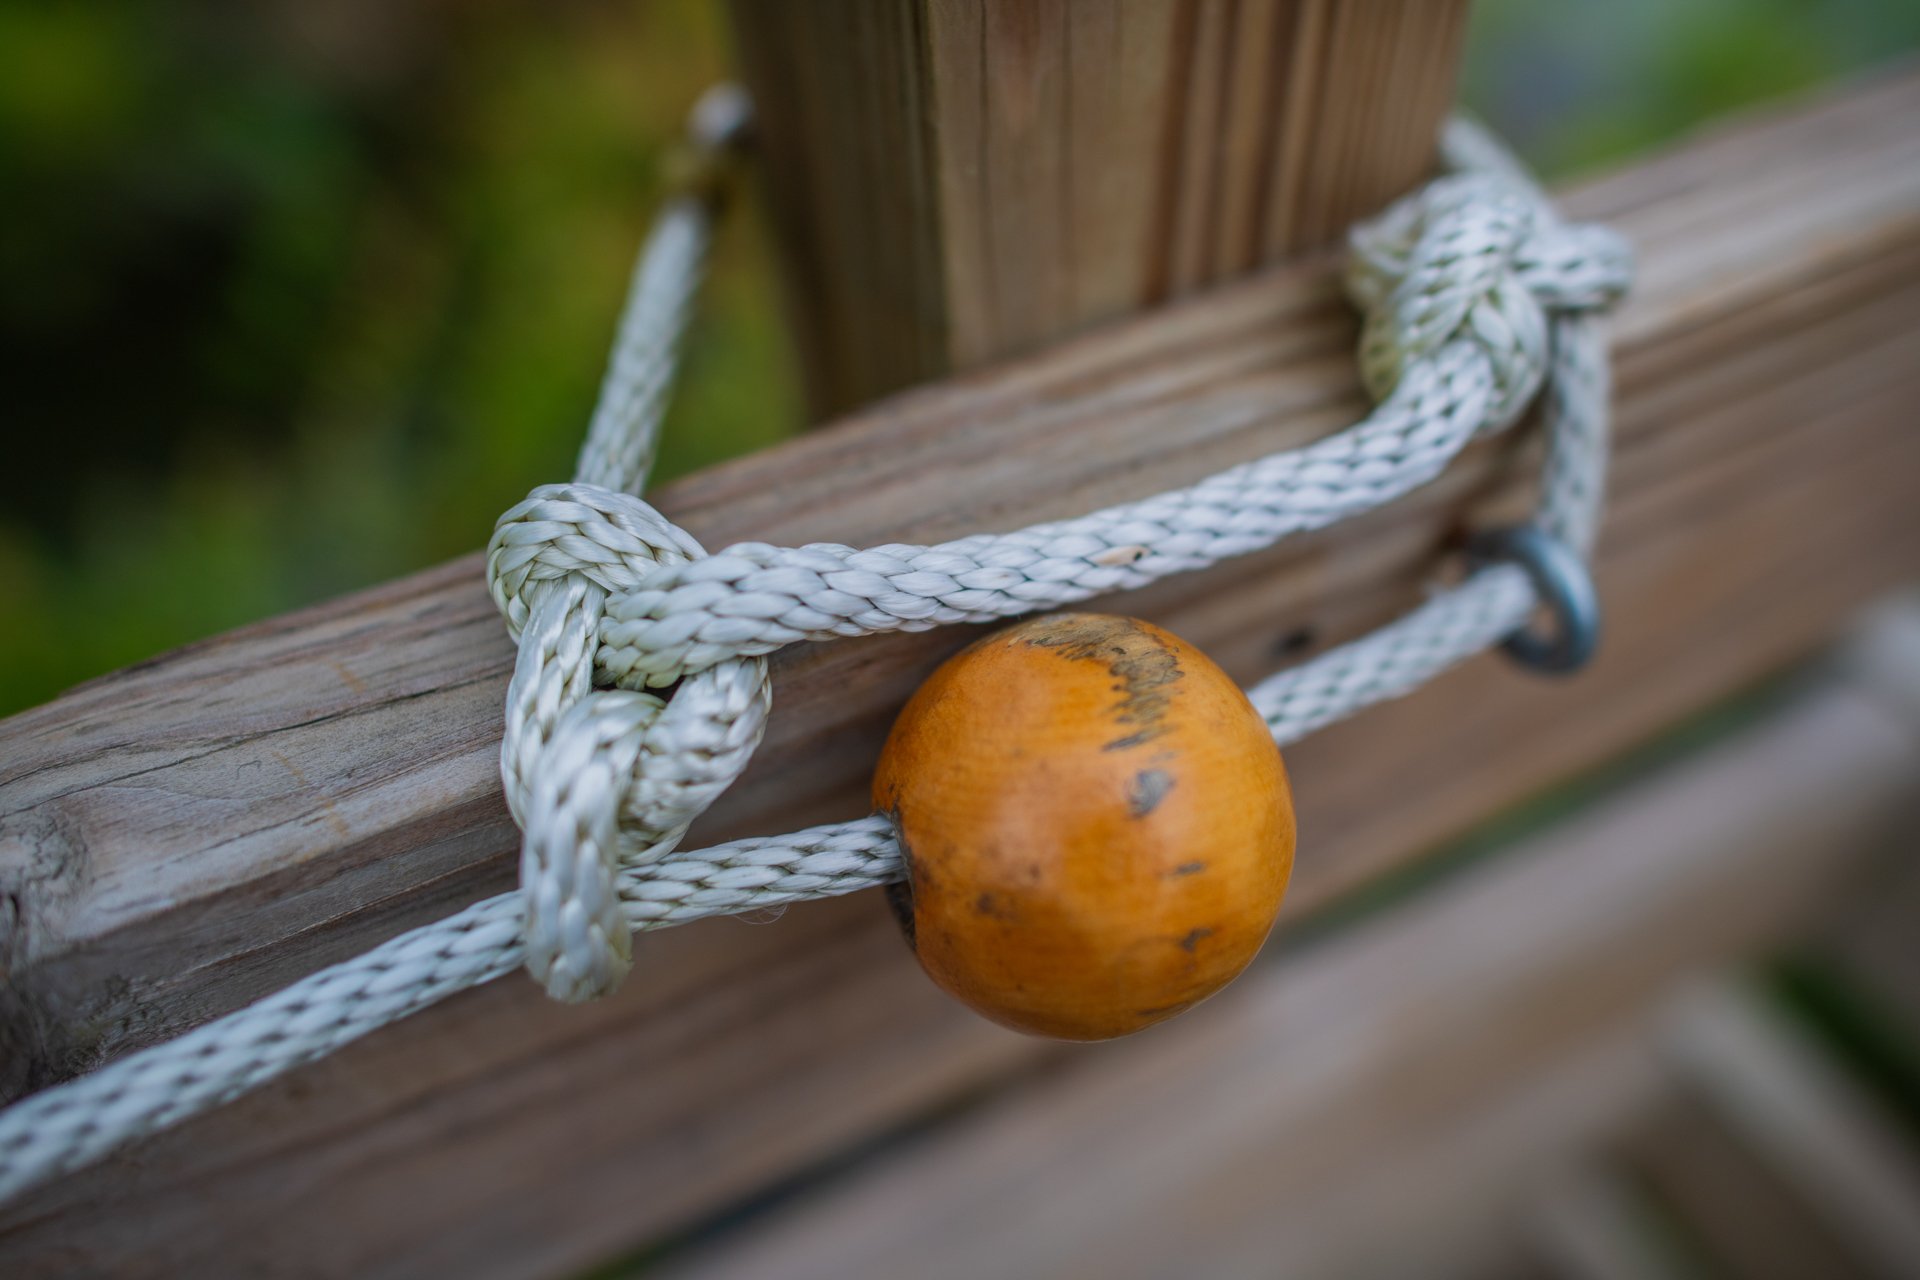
(296,297)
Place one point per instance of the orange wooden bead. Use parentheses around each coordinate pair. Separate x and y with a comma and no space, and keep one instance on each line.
(1096,826)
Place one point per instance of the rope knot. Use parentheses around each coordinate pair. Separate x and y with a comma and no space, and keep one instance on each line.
(598,536)
(1476,259)
(602,775)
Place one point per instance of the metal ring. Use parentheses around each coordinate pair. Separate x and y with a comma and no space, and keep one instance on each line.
(1565,587)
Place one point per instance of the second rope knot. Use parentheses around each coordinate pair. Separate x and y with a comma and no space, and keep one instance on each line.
(1480,260)
(603,775)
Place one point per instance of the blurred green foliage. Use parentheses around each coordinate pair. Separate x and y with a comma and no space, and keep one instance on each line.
(1574,83)
(295,298)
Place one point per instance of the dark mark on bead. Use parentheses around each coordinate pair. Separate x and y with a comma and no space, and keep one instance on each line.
(1150,787)
(1143,673)
(900,898)
(900,892)
(1160,1010)
(987,905)
(1193,939)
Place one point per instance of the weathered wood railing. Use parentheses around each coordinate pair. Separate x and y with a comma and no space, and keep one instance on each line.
(188,834)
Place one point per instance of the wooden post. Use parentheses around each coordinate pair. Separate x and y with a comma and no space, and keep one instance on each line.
(955,180)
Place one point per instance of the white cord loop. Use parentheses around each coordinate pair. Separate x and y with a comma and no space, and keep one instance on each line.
(1456,282)
(602,776)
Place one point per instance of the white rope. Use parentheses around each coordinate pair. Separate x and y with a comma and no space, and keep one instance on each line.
(1476,295)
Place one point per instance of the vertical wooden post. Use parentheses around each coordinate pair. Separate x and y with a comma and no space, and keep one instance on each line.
(955,180)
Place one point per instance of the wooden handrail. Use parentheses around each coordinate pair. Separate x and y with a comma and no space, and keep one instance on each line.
(187,834)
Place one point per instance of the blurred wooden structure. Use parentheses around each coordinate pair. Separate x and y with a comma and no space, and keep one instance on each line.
(958,182)
(186,835)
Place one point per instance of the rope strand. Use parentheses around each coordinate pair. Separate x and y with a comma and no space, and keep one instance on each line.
(1476,296)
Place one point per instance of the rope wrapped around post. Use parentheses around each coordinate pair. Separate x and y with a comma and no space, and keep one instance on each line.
(640,690)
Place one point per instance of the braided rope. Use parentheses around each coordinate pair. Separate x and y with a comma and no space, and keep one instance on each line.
(1476,297)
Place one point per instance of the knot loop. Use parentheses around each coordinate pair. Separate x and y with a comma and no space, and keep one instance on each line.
(610,539)
(1476,259)
(601,775)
